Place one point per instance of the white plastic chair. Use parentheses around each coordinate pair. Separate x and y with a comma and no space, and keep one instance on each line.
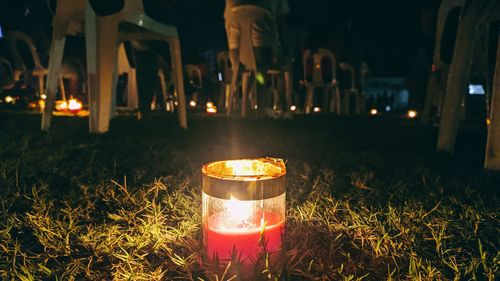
(195,79)
(8,78)
(317,80)
(437,81)
(351,92)
(247,61)
(14,39)
(103,35)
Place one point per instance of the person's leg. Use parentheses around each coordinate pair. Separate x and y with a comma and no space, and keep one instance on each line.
(263,58)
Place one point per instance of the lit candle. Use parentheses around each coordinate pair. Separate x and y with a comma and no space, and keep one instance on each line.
(243,231)
(243,210)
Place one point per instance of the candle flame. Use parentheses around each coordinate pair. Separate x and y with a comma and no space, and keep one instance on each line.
(239,211)
(74,105)
(412,114)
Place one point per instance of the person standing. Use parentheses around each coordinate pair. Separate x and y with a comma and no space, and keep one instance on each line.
(267,19)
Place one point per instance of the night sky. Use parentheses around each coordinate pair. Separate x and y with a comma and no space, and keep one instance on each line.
(393,36)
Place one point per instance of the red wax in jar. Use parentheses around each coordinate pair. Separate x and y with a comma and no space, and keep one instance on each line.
(222,238)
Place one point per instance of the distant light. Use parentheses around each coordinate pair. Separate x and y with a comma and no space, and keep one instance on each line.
(488,121)
(318,66)
(1,32)
(256,107)
(212,110)
(293,108)
(9,99)
(476,89)
(43,96)
(176,103)
(412,114)
(220,76)
(41,104)
(192,103)
(317,109)
(32,105)
(61,105)
(373,111)
(388,108)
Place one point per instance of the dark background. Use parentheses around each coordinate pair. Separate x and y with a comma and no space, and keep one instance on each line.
(393,36)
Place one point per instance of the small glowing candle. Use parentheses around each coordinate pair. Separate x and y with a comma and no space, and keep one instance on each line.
(243,210)
(74,105)
(412,114)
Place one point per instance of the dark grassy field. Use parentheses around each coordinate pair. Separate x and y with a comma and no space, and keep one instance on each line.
(368,199)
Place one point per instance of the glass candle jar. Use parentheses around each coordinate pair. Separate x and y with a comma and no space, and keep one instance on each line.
(243,211)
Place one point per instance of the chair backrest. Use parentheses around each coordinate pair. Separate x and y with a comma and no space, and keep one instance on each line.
(16,39)
(350,68)
(246,51)
(127,7)
(7,67)
(446,8)
(324,63)
(133,7)
(72,10)
(194,74)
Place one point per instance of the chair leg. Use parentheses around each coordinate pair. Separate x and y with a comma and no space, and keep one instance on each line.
(288,89)
(41,85)
(245,91)
(132,92)
(55,63)
(248,91)
(333,101)
(222,96)
(62,89)
(459,76)
(326,98)
(102,58)
(309,99)
(234,83)
(163,86)
(492,159)
(337,100)
(175,56)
